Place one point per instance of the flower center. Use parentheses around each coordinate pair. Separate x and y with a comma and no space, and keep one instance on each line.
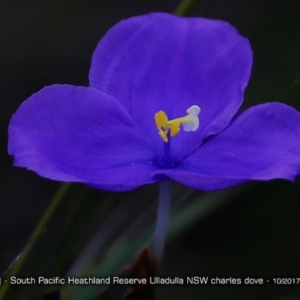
(167,128)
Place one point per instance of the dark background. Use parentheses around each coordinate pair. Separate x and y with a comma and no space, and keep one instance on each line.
(255,234)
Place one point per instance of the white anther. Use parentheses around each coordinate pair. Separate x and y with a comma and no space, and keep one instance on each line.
(193,113)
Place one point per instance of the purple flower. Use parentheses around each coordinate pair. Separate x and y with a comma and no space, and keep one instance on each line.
(147,72)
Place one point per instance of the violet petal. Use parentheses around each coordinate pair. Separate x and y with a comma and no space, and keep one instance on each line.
(164,62)
(80,134)
(262,143)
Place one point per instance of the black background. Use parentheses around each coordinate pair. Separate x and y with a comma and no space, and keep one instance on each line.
(257,233)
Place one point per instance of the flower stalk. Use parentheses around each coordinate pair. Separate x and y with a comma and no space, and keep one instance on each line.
(163,212)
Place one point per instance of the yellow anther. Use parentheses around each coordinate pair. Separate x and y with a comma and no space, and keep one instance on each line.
(189,122)
(174,128)
(163,135)
(161,120)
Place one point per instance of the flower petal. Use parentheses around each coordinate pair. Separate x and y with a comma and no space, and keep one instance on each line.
(164,62)
(80,134)
(262,143)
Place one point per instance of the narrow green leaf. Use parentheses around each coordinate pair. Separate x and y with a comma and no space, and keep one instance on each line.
(40,228)
(185,7)
(291,88)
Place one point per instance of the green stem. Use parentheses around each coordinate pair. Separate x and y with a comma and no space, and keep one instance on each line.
(185,7)
(40,228)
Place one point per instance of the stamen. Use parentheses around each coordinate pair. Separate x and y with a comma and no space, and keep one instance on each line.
(193,113)
(190,122)
(161,121)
